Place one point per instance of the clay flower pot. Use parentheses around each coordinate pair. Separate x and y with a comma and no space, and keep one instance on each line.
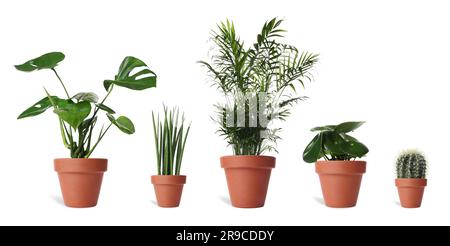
(340,181)
(80,180)
(411,191)
(247,178)
(168,189)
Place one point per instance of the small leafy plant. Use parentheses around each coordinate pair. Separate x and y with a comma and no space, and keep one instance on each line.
(259,81)
(170,139)
(411,164)
(332,142)
(78,114)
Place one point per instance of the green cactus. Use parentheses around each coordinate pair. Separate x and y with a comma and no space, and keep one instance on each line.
(411,164)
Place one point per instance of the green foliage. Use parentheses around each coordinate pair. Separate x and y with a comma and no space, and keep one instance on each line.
(269,67)
(141,80)
(46,61)
(170,140)
(78,114)
(123,123)
(411,164)
(333,143)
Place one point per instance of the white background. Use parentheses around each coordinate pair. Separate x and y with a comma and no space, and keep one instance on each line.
(385,62)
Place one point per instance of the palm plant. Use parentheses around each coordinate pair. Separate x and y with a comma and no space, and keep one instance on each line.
(266,73)
(170,140)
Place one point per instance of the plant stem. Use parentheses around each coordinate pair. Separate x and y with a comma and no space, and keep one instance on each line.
(91,127)
(63,134)
(62,83)
(98,141)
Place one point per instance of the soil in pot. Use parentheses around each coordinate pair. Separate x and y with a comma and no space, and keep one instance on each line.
(410,191)
(340,181)
(168,189)
(248,179)
(80,180)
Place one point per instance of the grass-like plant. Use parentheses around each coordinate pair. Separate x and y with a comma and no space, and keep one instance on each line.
(268,67)
(332,142)
(170,139)
(78,114)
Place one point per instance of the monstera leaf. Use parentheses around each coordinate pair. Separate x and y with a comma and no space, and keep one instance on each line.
(123,123)
(141,80)
(38,108)
(46,61)
(72,113)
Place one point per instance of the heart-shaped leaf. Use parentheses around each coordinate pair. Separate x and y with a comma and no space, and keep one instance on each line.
(37,108)
(105,108)
(142,79)
(348,126)
(46,61)
(86,96)
(73,113)
(123,123)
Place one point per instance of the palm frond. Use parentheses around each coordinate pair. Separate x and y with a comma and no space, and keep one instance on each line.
(267,66)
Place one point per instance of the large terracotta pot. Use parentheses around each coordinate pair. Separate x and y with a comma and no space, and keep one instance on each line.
(168,189)
(80,180)
(411,191)
(247,178)
(340,181)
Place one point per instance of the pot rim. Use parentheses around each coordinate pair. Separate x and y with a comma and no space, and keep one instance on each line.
(168,179)
(96,159)
(341,167)
(80,165)
(410,182)
(248,161)
(235,156)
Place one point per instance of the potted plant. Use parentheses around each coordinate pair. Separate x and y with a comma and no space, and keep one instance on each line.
(81,176)
(259,85)
(411,167)
(170,141)
(340,174)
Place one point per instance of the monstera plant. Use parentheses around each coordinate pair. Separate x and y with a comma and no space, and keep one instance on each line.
(78,116)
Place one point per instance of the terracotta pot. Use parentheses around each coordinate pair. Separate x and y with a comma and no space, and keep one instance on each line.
(80,180)
(247,178)
(411,191)
(168,189)
(340,181)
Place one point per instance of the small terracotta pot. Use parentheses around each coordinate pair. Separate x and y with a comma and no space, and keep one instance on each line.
(411,191)
(247,178)
(80,180)
(168,189)
(340,181)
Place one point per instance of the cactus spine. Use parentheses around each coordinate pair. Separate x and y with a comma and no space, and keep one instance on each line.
(411,164)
